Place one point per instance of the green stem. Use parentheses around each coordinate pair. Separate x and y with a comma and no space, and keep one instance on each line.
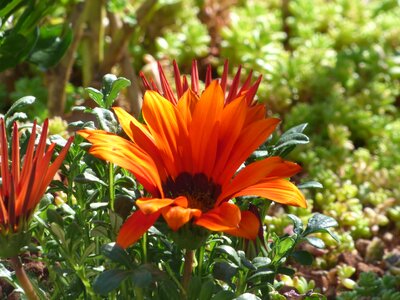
(111,184)
(144,247)
(201,258)
(23,278)
(171,273)
(187,268)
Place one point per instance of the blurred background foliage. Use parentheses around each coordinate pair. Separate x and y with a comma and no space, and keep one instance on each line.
(332,64)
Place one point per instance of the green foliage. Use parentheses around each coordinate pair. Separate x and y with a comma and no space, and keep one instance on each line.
(22,39)
(334,65)
(374,287)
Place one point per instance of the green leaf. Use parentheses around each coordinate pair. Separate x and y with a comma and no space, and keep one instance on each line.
(116,87)
(247,296)
(261,262)
(109,280)
(286,271)
(141,277)
(231,252)
(316,242)
(297,224)
(4,273)
(310,185)
(282,247)
(296,129)
(106,119)
(224,271)
(303,257)
(223,295)
(51,46)
(245,261)
(95,95)
(15,47)
(116,254)
(194,288)
(19,104)
(320,223)
(291,139)
(207,289)
(260,273)
(89,177)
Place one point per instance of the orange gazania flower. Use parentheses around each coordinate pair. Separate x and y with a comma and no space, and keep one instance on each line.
(187,157)
(22,188)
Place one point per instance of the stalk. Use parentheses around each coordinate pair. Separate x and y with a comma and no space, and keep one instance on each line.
(187,268)
(23,278)
(111,184)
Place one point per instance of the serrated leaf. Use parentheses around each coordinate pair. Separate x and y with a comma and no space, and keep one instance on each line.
(231,252)
(116,254)
(109,280)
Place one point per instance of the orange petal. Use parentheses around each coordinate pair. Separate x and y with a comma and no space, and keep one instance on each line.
(269,168)
(177,216)
(167,128)
(126,119)
(248,226)
(127,155)
(278,190)
(255,113)
(232,121)
(186,105)
(249,140)
(149,206)
(134,227)
(224,217)
(204,129)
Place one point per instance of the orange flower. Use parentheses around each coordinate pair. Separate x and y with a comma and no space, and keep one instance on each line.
(187,156)
(22,188)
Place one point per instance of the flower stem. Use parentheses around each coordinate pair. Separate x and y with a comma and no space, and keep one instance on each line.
(187,268)
(23,278)
(111,184)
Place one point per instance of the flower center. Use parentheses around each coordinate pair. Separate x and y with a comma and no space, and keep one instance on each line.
(200,191)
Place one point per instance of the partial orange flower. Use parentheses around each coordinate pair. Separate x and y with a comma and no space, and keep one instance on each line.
(231,90)
(187,156)
(23,187)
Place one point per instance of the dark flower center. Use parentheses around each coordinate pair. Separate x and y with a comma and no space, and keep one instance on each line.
(200,191)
